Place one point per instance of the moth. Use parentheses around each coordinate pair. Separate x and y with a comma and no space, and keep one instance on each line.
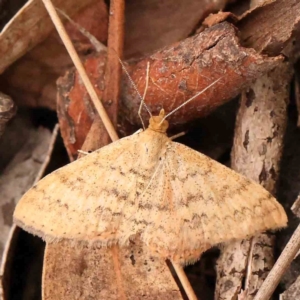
(177,200)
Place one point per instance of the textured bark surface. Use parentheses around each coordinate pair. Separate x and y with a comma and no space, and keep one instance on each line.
(258,143)
(288,193)
(180,71)
(176,73)
(49,60)
(74,108)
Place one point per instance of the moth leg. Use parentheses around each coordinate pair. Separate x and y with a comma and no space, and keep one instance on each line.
(173,137)
(83,152)
(138,131)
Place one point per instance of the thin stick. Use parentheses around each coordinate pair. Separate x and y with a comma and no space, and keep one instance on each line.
(184,281)
(281,265)
(249,264)
(78,64)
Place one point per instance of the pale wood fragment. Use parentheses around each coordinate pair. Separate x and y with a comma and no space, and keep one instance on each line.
(260,127)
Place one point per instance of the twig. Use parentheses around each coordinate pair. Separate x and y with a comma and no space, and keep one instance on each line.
(113,70)
(78,64)
(184,281)
(283,262)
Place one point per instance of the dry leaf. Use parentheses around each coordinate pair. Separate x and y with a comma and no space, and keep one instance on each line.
(30,26)
(27,166)
(32,79)
(92,272)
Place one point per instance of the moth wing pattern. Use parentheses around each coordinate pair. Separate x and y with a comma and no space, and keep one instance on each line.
(200,203)
(83,200)
(180,201)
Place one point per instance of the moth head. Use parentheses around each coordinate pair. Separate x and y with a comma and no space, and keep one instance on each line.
(157,123)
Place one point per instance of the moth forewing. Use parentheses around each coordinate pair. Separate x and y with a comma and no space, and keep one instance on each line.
(180,201)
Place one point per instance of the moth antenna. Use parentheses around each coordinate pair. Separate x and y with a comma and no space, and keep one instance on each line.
(176,136)
(134,86)
(192,98)
(144,96)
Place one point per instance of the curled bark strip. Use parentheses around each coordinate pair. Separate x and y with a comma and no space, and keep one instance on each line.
(7,111)
(260,28)
(258,142)
(180,71)
(219,17)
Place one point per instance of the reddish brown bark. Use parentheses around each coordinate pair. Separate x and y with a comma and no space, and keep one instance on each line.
(180,71)
(176,73)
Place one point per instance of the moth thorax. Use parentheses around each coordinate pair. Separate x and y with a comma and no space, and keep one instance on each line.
(157,123)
